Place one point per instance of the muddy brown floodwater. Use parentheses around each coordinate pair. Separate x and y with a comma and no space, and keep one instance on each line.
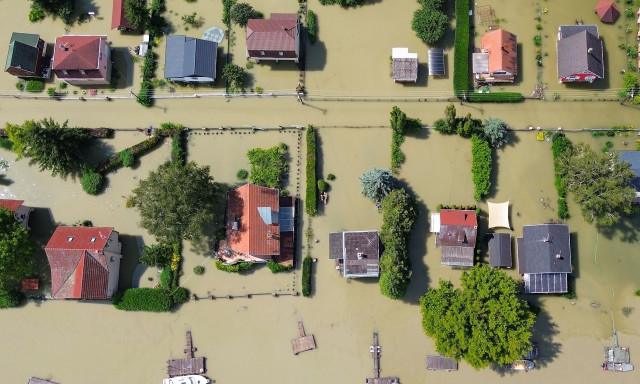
(248,340)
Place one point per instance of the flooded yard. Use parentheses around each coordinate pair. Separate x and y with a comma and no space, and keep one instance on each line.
(247,340)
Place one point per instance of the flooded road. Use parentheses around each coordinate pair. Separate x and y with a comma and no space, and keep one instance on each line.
(248,340)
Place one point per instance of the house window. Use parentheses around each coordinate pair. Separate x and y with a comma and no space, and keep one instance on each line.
(82,72)
(64,72)
(281,53)
(262,53)
(69,239)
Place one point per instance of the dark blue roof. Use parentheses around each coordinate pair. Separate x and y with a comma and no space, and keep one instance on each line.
(190,57)
(544,248)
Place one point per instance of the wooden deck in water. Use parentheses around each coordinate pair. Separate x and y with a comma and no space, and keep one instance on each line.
(376,350)
(304,342)
(188,366)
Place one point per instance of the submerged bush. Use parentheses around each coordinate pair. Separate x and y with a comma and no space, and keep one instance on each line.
(234,268)
(276,267)
(481,163)
(242,174)
(10,299)
(127,158)
(306,276)
(143,299)
(91,182)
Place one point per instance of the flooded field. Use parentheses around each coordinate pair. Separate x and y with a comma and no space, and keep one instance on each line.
(248,340)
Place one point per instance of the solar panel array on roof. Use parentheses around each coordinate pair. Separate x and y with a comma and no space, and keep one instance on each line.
(285,217)
(546,283)
(436,62)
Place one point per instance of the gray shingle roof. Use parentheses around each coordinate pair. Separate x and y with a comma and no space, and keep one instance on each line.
(500,250)
(359,251)
(568,30)
(574,55)
(544,248)
(633,158)
(190,57)
(23,51)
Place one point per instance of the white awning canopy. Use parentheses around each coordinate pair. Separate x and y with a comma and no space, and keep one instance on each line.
(499,215)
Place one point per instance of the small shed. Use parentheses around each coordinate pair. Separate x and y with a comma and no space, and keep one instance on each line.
(607,11)
(436,62)
(438,362)
(499,215)
(405,65)
(500,250)
(32,284)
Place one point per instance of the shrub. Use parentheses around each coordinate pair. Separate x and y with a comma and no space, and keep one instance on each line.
(429,24)
(127,158)
(331,177)
(35,86)
(177,149)
(143,299)
(306,276)
(234,268)
(157,255)
(539,27)
(241,13)
(165,278)
(198,270)
(268,166)
(637,293)
(322,186)
(312,28)
(481,163)
(226,10)
(20,85)
(179,296)
(275,267)
(36,13)
(10,299)
(537,40)
(137,150)
(235,75)
(149,65)
(461,49)
(91,181)
(311,201)
(6,143)
(242,174)
(144,96)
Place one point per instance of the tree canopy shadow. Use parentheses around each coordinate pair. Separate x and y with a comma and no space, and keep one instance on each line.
(627,229)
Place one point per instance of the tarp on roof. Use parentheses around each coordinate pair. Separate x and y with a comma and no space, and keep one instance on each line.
(499,215)
(436,62)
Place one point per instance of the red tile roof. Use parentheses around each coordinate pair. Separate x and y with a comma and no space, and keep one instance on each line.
(10,204)
(118,18)
(253,236)
(275,34)
(77,52)
(502,47)
(465,218)
(607,11)
(30,284)
(78,265)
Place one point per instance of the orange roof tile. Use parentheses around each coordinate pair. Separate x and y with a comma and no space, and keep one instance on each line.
(502,47)
(10,204)
(77,52)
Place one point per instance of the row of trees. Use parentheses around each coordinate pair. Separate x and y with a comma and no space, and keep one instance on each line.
(493,129)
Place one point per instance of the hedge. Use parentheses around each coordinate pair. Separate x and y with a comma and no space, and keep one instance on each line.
(143,299)
(179,295)
(461,49)
(276,267)
(481,163)
(306,276)
(560,146)
(311,201)
(35,86)
(234,268)
(115,161)
(312,28)
(495,97)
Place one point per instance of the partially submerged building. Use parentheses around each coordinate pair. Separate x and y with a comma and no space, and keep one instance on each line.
(405,65)
(82,59)
(544,258)
(119,19)
(633,158)
(356,253)
(457,237)
(85,262)
(26,56)
(580,54)
(497,61)
(276,38)
(260,226)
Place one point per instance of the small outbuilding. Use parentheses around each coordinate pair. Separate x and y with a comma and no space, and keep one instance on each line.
(499,215)
(457,237)
(607,11)
(405,65)
(439,363)
(500,250)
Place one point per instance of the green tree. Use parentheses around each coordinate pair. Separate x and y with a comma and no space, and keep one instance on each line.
(433,4)
(157,255)
(399,214)
(60,8)
(235,75)
(137,13)
(241,13)
(52,146)
(377,183)
(599,182)
(16,250)
(429,25)
(496,131)
(268,166)
(176,201)
(91,181)
(630,85)
(484,322)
